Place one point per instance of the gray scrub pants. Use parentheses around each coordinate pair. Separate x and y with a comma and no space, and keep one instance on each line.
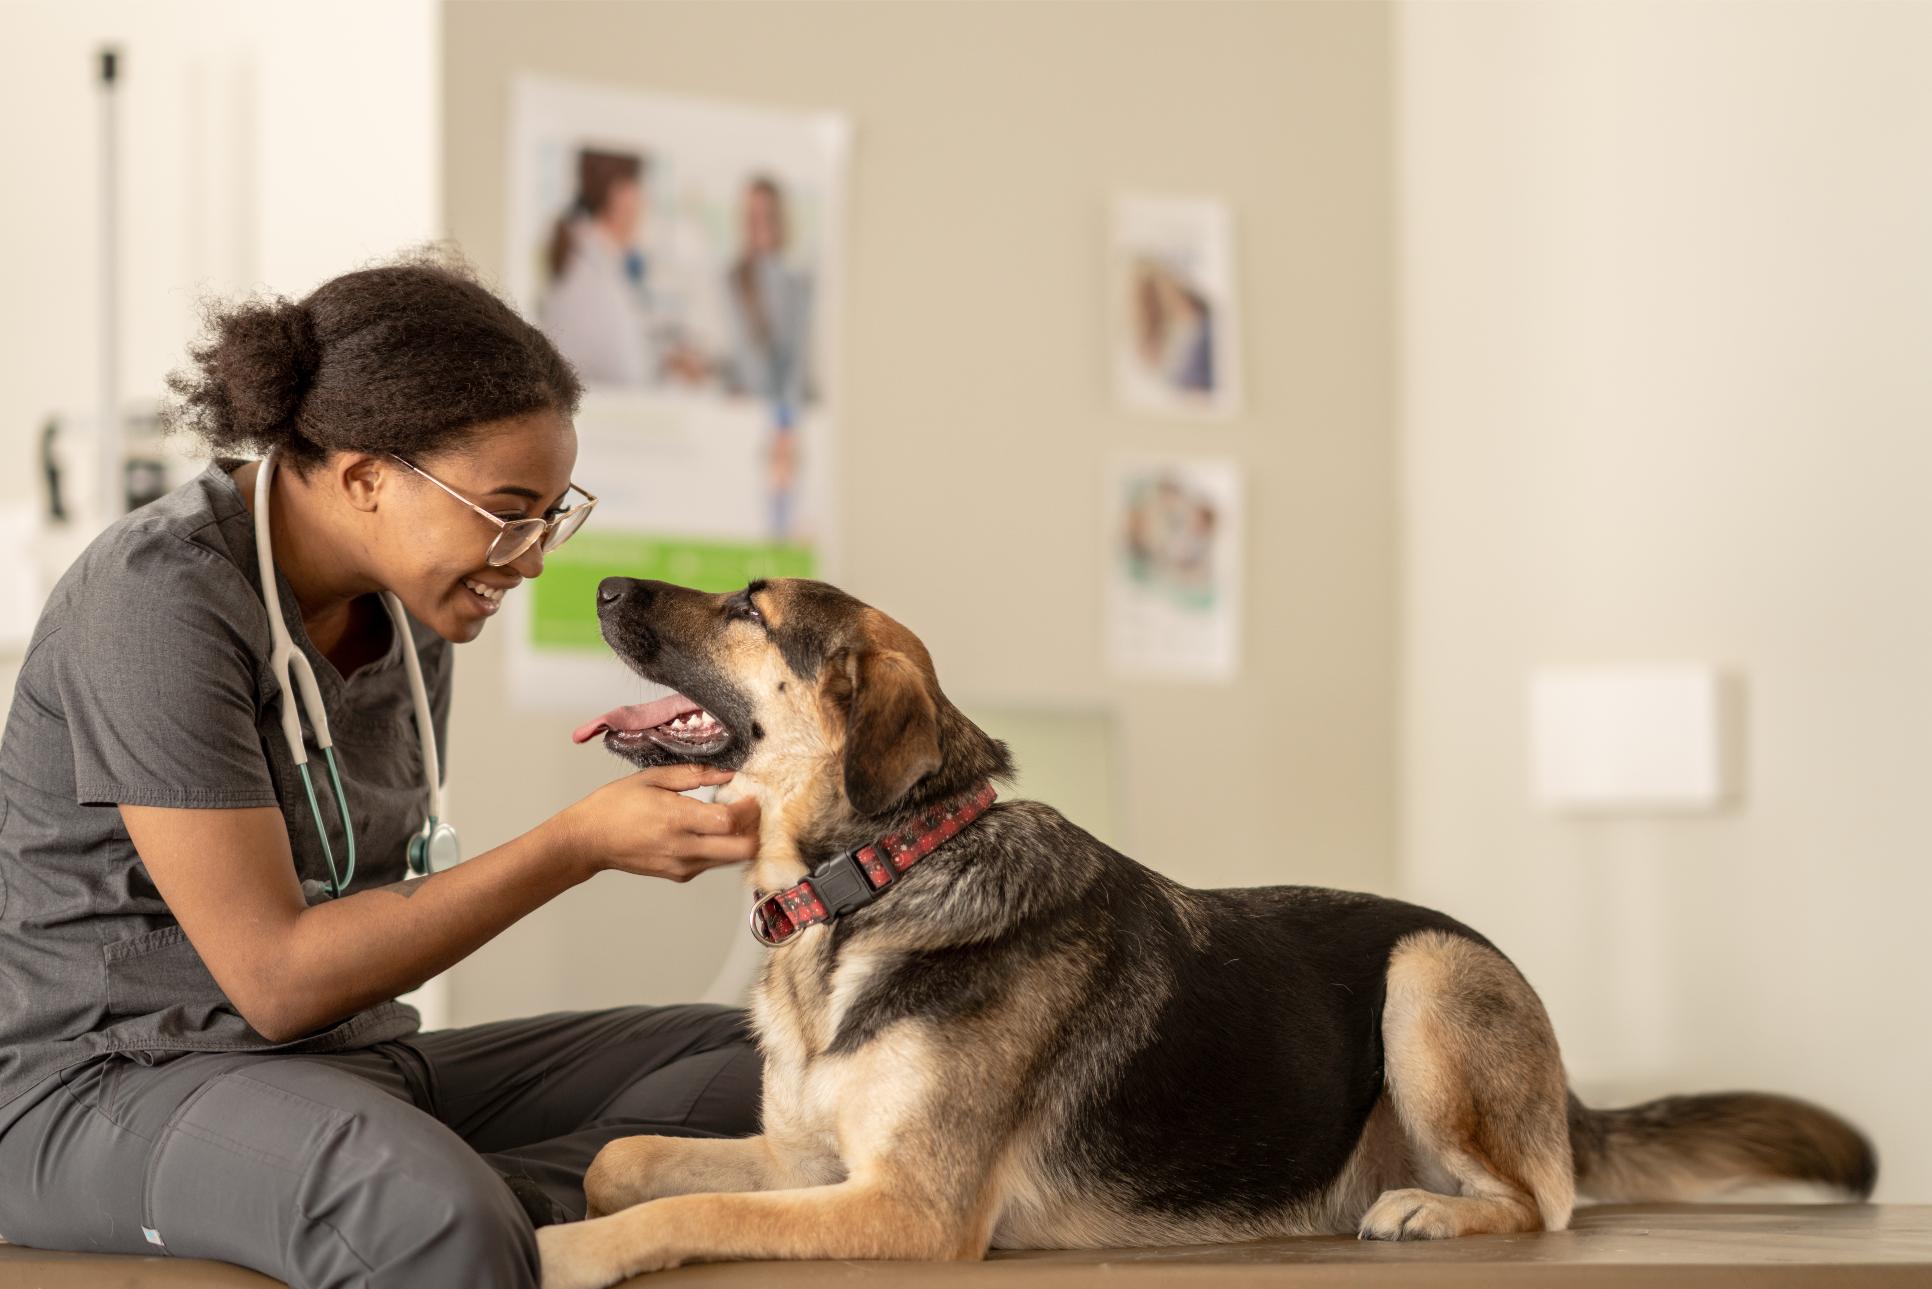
(379,1167)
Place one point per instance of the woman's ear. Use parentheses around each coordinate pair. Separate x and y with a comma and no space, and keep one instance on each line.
(891,726)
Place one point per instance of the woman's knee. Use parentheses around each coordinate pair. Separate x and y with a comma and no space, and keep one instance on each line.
(445,1220)
(480,1232)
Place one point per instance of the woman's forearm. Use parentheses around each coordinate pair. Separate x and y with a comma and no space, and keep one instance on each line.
(347,954)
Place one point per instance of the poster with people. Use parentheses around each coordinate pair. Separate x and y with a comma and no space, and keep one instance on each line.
(1174,584)
(684,255)
(1176,343)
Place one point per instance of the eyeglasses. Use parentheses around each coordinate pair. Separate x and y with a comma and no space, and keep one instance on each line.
(515,536)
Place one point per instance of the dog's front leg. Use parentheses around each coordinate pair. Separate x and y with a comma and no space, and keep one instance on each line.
(852,1219)
(631,1170)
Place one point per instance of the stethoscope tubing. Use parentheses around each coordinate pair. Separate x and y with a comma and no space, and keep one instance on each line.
(285,660)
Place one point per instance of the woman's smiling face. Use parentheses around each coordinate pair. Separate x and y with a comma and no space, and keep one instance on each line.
(436,548)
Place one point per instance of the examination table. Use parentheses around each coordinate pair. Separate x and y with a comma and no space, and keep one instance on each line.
(1658,1246)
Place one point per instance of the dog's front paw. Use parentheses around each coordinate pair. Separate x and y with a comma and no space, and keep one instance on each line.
(578,1255)
(1409,1215)
(600,1251)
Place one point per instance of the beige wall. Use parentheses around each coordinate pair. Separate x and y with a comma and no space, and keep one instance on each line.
(240,169)
(989,138)
(1666,306)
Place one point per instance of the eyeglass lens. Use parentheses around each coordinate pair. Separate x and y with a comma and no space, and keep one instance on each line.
(517,536)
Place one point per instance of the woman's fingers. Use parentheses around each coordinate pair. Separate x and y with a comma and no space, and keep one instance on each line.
(713,819)
(684,777)
(733,849)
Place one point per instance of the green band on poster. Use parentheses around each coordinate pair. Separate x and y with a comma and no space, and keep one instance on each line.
(564,607)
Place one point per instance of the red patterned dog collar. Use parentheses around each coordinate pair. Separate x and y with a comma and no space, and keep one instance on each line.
(855,878)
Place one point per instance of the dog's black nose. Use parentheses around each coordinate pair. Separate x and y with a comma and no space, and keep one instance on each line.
(613,589)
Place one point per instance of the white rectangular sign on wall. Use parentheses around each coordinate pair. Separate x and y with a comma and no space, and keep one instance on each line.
(1627,738)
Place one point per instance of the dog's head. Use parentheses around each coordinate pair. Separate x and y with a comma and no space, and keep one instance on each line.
(794,682)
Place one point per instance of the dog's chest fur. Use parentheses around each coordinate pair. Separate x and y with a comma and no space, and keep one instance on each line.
(817,1100)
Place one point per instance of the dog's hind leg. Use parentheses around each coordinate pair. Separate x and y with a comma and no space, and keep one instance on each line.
(1473,1072)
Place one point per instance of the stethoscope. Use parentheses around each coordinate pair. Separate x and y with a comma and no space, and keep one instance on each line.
(435,845)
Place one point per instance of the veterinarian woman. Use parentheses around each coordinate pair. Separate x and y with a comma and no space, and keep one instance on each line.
(201,1054)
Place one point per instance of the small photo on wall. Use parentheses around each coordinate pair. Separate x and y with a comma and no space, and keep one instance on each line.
(1176,344)
(1174,568)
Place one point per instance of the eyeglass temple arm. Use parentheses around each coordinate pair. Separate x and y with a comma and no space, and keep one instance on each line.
(589,497)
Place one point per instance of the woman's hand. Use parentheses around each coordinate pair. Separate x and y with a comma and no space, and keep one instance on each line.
(639,824)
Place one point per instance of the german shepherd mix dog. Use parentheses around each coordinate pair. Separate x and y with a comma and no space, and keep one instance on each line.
(1025,1039)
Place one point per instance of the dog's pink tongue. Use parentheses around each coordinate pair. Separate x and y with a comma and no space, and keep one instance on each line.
(638,716)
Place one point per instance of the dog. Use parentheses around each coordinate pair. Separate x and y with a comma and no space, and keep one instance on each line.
(1025,1039)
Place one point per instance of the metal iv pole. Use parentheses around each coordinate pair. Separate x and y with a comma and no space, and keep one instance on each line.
(111,488)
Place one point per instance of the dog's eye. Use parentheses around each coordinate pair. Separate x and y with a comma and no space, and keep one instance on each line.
(749,611)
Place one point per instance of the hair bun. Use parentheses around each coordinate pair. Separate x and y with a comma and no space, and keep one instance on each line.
(305,351)
(408,356)
(257,367)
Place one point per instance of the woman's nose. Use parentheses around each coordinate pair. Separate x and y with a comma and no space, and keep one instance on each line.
(530,563)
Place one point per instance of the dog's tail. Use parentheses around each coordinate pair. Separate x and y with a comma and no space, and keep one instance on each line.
(1685,1148)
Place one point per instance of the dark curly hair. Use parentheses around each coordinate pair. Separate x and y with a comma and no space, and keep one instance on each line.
(402,357)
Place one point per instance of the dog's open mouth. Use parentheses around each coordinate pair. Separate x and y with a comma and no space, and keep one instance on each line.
(675,724)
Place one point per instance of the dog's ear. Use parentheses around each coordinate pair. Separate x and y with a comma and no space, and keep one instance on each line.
(891,726)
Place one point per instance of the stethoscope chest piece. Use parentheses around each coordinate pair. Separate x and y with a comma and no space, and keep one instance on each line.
(434,848)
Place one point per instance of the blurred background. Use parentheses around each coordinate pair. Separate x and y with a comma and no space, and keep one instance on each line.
(1470,452)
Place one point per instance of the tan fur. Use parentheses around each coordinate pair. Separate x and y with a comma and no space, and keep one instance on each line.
(872,1128)
(1477,1083)
(636,1169)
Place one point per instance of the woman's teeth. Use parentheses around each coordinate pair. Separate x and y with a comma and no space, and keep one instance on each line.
(490,595)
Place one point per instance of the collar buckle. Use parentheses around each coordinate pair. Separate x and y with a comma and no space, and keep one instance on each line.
(841,884)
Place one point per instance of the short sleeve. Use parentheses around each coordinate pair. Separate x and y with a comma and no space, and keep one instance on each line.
(158,681)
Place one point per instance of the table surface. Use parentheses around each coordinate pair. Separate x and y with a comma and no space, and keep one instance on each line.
(1676,1246)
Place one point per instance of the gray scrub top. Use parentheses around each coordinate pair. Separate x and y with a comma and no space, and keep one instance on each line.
(146,681)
